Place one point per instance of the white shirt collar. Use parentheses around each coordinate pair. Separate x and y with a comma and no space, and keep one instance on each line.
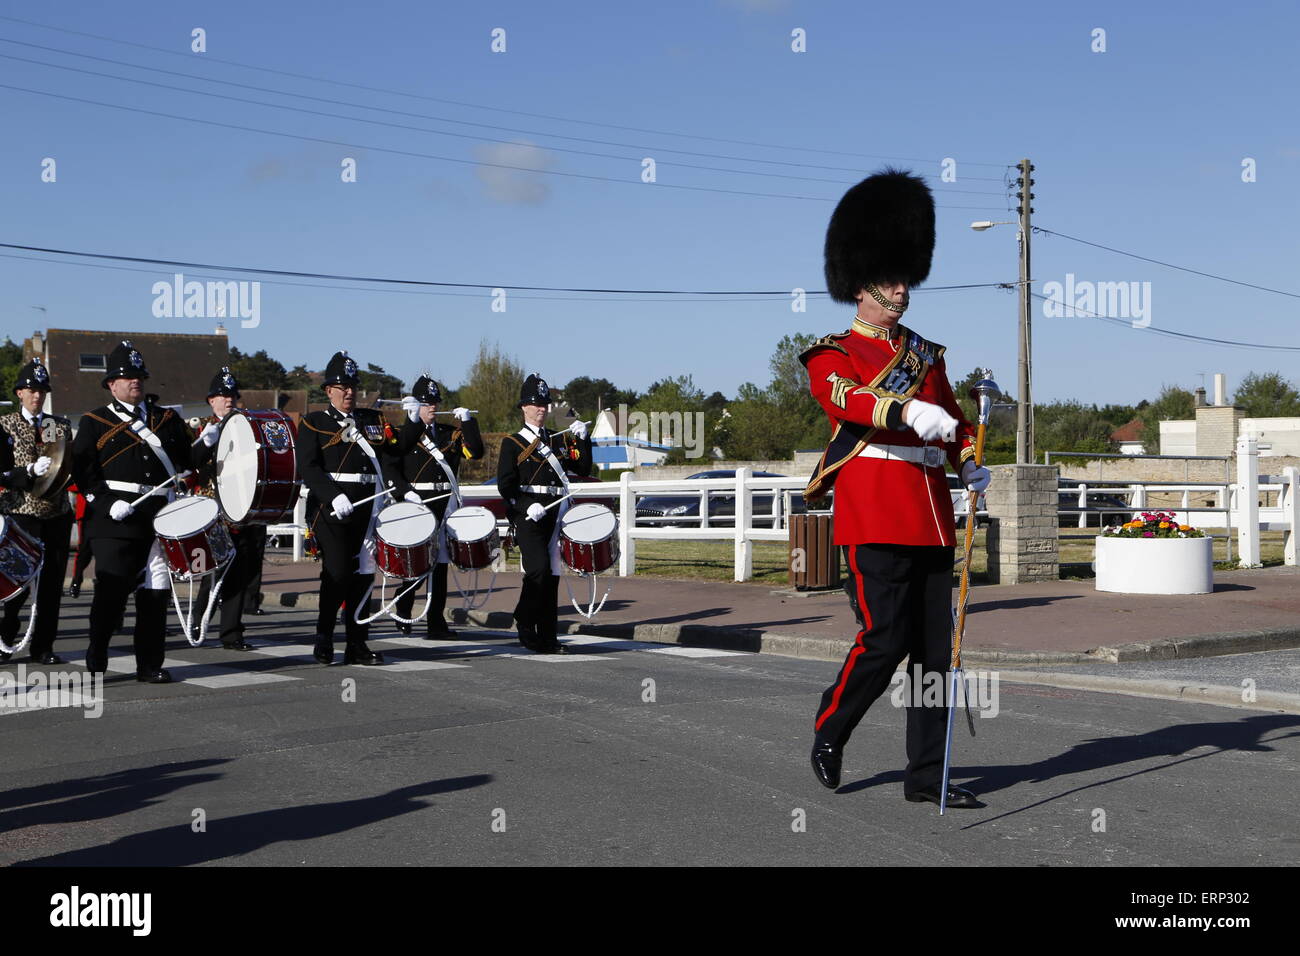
(33,419)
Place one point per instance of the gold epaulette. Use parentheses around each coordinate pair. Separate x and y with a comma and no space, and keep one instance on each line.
(831,341)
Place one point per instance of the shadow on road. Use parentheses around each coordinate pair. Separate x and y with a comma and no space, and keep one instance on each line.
(235,836)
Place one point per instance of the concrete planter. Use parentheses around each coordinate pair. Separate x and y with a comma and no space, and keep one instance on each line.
(1155,565)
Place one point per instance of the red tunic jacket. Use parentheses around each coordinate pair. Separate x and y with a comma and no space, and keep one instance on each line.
(878,501)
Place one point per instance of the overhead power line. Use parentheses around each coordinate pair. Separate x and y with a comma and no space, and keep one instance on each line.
(1168,265)
(208,58)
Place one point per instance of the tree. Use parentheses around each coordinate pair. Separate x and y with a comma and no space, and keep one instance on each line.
(258,370)
(378,383)
(492,386)
(588,396)
(11,362)
(1174,404)
(1267,395)
(300,377)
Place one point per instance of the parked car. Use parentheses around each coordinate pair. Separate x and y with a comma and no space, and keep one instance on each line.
(1103,508)
(683,508)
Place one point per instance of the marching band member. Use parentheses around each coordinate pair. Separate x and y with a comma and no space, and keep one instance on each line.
(431,456)
(345,454)
(122,450)
(532,472)
(23,436)
(249,539)
(895,422)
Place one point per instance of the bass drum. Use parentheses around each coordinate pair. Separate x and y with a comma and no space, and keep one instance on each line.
(257,477)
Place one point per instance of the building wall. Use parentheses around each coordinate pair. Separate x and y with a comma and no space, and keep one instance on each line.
(1216,429)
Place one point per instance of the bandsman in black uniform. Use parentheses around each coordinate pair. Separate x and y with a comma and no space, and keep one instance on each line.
(122,450)
(249,539)
(24,437)
(431,456)
(345,454)
(532,472)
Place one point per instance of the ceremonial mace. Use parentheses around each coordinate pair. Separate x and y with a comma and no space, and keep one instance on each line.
(983,392)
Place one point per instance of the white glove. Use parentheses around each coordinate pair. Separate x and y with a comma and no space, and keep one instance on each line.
(120,510)
(536,512)
(209,434)
(413,497)
(40,466)
(342,506)
(411,407)
(462,414)
(975,477)
(929,421)
(579,428)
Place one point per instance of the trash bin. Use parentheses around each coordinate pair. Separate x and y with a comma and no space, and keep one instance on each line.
(814,559)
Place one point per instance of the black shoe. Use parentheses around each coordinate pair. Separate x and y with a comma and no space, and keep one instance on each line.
(160,676)
(556,648)
(75,589)
(360,654)
(258,611)
(528,638)
(404,627)
(49,657)
(443,633)
(826,759)
(324,652)
(957,796)
(240,645)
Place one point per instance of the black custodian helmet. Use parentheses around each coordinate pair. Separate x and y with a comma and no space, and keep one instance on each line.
(535,391)
(223,383)
(124,362)
(33,375)
(881,232)
(426,391)
(342,370)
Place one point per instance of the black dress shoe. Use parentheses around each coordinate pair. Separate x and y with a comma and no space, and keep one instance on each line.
(240,645)
(957,796)
(258,611)
(160,676)
(529,639)
(360,654)
(556,648)
(826,760)
(443,633)
(75,589)
(404,627)
(49,657)
(324,652)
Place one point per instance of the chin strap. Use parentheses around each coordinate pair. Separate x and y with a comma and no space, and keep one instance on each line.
(884,302)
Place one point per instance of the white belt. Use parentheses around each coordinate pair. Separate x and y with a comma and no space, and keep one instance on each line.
(542,489)
(431,485)
(132,488)
(352,477)
(928,455)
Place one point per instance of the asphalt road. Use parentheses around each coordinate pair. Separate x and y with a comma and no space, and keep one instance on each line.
(478,752)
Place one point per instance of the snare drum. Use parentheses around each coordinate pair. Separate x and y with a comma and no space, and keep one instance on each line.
(193,539)
(257,470)
(20,559)
(404,540)
(589,538)
(472,538)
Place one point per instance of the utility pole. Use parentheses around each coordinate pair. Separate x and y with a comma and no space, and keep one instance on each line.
(1024,400)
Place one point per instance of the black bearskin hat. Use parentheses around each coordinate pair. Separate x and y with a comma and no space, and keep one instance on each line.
(341,370)
(426,391)
(534,392)
(881,232)
(223,383)
(124,362)
(33,375)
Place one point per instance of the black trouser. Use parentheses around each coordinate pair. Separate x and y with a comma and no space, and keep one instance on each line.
(82,560)
(902,596)
(237,592)
(437,619)
(119,566)
(536,612)
(341,585)
(56,535)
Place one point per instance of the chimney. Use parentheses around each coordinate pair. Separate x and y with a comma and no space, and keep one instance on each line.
(1200,397)
(1220,389)
(220,329)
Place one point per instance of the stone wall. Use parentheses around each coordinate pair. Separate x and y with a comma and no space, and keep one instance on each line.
(1022,538)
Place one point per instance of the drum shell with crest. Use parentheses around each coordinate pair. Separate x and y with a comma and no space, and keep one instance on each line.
(193,539)
(20,558)
(589,538)
(405,536)
(257,480)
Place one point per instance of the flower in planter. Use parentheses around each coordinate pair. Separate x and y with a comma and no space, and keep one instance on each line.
(1153,524)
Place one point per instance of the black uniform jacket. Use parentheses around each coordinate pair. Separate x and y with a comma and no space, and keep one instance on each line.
(523,463)
(324,450)
(456,442)
(106,449)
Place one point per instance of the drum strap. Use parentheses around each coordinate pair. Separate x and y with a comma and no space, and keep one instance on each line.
(545,449)
(427,444)
(145,434)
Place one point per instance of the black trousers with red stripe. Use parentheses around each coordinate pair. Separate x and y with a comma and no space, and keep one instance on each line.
(902,596)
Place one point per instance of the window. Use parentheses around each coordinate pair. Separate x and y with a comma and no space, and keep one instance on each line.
(94,363)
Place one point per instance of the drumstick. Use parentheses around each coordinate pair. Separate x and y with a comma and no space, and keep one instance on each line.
(386,491)
(394,401)
(177,478)
(556,502)
(425,501)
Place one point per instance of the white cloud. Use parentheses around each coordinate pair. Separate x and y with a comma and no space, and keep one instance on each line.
(517,185)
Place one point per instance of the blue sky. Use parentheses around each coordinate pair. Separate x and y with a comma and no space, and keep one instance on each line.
(1139,147)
